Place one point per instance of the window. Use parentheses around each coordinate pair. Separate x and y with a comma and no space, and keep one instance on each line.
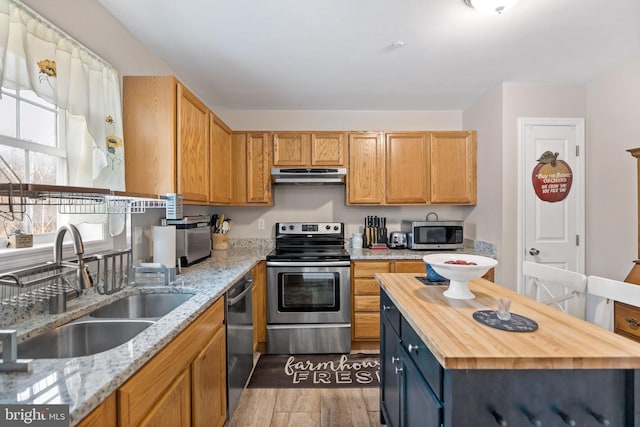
(31,142)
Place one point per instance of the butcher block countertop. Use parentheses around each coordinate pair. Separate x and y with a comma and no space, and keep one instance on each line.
(459,342)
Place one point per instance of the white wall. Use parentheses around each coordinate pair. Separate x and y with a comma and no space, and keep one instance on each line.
(613,114)
(527,100)
(485,219)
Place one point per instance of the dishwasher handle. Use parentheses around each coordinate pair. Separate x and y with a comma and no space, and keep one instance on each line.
(233,301)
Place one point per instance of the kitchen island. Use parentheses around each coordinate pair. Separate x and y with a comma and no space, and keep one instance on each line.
(442,367)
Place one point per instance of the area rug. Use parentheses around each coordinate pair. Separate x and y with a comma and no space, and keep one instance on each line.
(316,371)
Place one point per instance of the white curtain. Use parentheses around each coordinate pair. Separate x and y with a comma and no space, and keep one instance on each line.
(36,55)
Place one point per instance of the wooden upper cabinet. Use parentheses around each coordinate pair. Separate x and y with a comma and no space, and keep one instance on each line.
(193,147)
(258,170)
(220,191)
(305,149)
(250,165)
(328,149)
(291,149)
(166,133)
(453,167)
(149,125)
(365,174)
(407,168)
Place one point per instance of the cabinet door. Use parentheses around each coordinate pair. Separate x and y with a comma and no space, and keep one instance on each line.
(192,147)
(410,267)
(365,180)
(391,374)
(328,149)
(453,168)
(220,161)
(209,383)
(407,168)
(149,126)
(259,275)
(258,170)
(291,149)
(173,409)
(103,416)
(419,407)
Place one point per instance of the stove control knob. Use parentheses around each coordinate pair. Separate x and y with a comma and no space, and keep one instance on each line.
(291,227)
(283,228)
(328,227)
(335,227)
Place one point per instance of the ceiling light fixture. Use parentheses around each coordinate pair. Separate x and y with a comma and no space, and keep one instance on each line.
(491,7)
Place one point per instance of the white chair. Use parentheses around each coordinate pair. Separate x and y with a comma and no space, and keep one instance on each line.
(556,287)
(602,292)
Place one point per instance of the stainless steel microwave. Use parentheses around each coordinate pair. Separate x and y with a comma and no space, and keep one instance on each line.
(433,235)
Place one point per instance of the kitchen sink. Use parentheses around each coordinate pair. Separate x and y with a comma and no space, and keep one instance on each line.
(141,306)
(81,338)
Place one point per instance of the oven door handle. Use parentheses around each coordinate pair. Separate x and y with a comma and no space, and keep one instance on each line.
(238,298)
(308,264)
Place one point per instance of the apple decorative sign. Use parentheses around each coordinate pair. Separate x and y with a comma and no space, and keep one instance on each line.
(551,178)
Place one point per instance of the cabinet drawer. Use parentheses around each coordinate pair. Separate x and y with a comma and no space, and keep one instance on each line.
(366,326)
(366,303)
(389,310)
(422,357)
(370,268)
(411,267)
(366,287)
(622,326)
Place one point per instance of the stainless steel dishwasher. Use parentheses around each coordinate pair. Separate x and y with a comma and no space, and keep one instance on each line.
(239,321)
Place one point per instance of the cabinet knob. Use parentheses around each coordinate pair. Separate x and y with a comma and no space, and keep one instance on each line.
(399,369)
(633,323)
(394,359)
(413,348)
(534,251)
(499,419)
(532,418)
(386,308)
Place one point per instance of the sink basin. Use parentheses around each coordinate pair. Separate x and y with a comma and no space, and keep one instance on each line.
(141,306)
(81,338)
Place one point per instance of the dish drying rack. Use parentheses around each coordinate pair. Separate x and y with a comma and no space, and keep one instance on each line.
(27,287)
(15,196)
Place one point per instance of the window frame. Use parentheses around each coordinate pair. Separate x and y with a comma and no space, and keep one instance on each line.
(41,251)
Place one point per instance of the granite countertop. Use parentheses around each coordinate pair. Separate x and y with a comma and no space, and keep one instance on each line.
(362,254)
(84,382)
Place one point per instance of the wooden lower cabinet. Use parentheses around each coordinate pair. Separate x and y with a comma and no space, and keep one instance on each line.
(173,407)
(366,299)
(208,383)
(259,296)
(184,384)
(102,416)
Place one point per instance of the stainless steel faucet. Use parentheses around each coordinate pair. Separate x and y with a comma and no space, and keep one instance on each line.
(10,361)
(83,278)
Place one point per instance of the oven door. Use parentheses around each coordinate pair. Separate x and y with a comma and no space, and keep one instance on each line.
(308,292)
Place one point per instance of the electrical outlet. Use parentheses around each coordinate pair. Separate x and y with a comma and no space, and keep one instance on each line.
(261,224)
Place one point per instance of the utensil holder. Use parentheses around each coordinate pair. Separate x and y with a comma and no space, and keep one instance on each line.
(220,242)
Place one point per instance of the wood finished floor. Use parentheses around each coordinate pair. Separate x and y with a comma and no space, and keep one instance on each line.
(288,407)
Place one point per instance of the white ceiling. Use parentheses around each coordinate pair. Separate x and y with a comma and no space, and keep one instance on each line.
(338,54)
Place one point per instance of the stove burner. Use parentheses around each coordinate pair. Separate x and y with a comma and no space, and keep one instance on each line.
(309,241)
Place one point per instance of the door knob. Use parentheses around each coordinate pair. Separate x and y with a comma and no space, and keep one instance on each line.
(534,252)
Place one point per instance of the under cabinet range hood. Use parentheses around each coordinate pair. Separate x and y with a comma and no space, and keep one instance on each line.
(305,176)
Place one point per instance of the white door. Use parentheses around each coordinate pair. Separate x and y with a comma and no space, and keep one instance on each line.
(551,193)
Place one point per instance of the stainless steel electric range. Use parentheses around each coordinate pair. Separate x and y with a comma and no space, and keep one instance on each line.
(309,290)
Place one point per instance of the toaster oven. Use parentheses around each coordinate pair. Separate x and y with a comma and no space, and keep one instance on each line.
(433,235)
